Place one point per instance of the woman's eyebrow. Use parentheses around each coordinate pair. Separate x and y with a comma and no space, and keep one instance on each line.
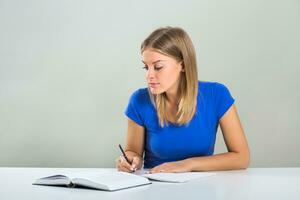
(154,61)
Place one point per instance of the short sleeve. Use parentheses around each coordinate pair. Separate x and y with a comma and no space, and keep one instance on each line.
(133,108)
(223,100)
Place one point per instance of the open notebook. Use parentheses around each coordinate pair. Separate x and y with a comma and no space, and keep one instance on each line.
(109,181)
(112,181)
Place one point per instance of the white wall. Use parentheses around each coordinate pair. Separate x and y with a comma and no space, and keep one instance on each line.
(67,69)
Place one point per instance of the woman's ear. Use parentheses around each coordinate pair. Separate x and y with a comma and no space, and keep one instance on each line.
(182,66)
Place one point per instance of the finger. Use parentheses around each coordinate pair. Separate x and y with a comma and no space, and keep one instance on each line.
(135,163)
(121,168)
(160,169)
(124,162)
(118,162)
(157,170)
(124,169)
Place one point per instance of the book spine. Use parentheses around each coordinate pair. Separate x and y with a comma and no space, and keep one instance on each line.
(71,185)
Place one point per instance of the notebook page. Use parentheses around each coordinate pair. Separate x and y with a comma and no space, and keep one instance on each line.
(114,180)
(177,177)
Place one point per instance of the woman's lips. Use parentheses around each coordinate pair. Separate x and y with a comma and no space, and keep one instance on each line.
(153,85)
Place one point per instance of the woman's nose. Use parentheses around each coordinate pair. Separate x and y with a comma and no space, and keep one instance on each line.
(150,73)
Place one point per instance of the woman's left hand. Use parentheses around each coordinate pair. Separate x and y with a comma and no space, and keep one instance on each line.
(174,167)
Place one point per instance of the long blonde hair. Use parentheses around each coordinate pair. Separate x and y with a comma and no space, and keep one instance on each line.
(175,42)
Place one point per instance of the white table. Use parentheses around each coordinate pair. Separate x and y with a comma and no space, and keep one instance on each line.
(253,183)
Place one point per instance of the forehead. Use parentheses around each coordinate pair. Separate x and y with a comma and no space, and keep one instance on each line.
(149,56)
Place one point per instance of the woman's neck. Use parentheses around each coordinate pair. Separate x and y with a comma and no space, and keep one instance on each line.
(173,94)
(173,98)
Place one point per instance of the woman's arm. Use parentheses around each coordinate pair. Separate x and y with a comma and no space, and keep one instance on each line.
(134,148)
(237,157)
(135,139)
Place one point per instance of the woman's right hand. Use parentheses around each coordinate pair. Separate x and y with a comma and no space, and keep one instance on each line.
(123,165)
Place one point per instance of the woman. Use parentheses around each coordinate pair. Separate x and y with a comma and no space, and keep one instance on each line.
(172,124)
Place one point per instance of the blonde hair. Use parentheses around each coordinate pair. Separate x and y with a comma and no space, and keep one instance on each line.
(175,42)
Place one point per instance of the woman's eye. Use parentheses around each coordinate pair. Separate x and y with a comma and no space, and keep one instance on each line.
(158,68)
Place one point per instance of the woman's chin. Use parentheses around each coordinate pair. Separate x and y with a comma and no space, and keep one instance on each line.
(155,91)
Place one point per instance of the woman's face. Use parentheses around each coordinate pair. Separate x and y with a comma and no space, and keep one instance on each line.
(162,72)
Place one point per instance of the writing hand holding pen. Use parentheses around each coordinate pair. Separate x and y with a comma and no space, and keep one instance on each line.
(128,162)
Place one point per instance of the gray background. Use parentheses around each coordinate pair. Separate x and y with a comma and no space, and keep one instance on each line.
(67,69)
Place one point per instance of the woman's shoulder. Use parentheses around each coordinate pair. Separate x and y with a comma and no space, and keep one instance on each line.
(210,85)
(211,89)
(140,95)
(140,92)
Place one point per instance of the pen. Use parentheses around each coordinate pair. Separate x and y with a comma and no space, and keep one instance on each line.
(124,154)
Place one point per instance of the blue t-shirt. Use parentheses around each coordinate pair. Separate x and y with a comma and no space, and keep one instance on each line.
(174,142)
